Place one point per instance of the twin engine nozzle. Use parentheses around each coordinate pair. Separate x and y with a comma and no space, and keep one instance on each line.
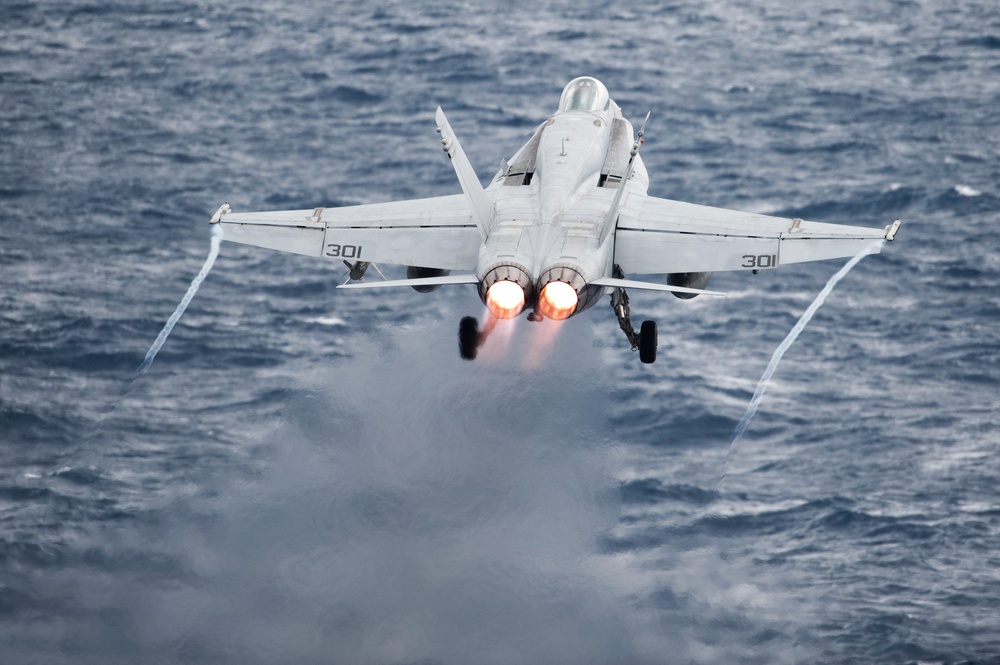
(507,288)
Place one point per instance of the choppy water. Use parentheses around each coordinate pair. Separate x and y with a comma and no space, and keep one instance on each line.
(307,475)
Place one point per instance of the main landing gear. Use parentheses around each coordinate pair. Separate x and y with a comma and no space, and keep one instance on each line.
(469,338)
(645,340)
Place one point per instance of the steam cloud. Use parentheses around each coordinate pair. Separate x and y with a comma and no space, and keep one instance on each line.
(414,508)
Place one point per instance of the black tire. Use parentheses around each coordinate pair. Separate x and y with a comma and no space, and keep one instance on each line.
(647,342)
(468,337)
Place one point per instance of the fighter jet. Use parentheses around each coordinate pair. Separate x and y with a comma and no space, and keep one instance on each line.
(564,222)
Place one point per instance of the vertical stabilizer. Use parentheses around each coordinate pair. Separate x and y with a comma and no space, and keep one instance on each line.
(473,189)
(612,219)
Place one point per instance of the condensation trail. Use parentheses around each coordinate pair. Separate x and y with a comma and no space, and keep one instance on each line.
(162,337)
(185,301)
(799,326)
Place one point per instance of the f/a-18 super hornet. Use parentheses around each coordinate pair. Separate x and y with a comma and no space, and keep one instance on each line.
(564,222)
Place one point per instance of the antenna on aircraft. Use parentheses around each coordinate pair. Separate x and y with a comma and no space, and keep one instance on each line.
(638,137)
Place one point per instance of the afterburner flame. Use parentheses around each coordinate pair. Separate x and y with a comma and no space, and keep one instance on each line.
(505,299)
(558,300)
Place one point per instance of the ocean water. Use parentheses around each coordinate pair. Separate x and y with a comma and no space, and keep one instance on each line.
(313,476)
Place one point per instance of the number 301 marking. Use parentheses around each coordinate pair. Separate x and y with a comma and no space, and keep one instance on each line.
(344,251)
(759,261)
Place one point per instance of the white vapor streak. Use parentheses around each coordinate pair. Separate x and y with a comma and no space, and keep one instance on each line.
(185,301)
(793,334)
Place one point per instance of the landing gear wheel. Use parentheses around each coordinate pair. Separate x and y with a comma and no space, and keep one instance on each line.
(647,342)
(468,337)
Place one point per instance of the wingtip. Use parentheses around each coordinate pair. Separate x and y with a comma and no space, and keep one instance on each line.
(223,210)
(890,231)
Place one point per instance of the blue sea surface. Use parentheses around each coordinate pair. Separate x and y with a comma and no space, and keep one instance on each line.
(308,475)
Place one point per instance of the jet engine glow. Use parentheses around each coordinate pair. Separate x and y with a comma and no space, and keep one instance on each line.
(505,299)
(558,300)
(506,288)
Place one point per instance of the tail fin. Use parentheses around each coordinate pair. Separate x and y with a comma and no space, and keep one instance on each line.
(473,189)
(612,217)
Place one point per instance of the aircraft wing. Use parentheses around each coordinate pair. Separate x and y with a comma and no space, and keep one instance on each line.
(656,236)
(437,232)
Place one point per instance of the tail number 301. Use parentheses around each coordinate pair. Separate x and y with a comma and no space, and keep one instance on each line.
(760,261)
(344,251)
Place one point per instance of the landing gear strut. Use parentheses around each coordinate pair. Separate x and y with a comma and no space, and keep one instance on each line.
(645,340)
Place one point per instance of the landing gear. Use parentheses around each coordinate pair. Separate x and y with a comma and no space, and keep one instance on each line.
(468,338)
(647,342)
(644,341)
(619,303)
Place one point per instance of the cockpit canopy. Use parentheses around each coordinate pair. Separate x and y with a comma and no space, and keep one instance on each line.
(584,94)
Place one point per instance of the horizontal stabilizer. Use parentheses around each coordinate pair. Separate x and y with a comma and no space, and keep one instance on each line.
(651,286)
(422,281)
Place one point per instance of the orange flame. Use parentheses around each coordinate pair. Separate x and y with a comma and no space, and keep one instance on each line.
(558,300)
(505,299)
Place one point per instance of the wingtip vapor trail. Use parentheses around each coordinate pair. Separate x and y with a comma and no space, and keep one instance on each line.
(786,343)
(147,362)
(216,244)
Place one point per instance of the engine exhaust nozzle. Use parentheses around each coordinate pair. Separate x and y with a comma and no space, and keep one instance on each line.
(505,289)
(559,293)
